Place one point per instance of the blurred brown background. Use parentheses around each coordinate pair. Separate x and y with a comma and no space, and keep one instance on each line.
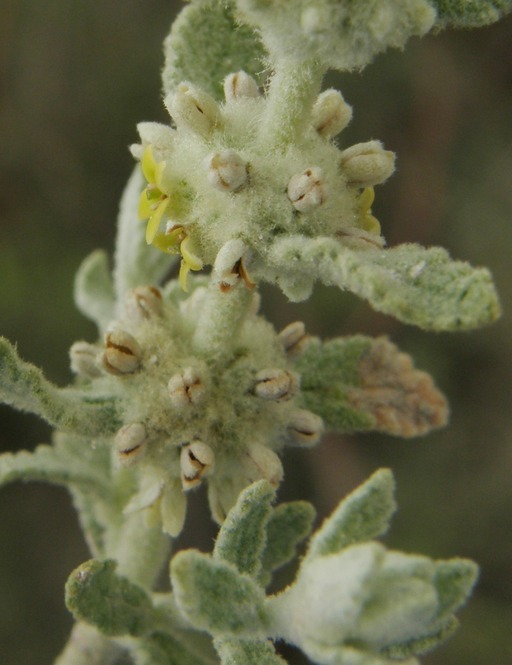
(75,78)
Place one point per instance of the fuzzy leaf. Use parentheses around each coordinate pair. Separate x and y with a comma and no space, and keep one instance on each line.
(288,525)
(94,294)
(423,644)
(340,35)
(164,649)
(115,605)
(423,287)
(136,264)
(359,383)
(24,387)
(214,597)
(470,13)
(454,580)
(247,652)
(346,655)
(362,515)
(205,45)
(242,537)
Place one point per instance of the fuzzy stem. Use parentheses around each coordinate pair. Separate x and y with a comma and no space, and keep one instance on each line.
(220,320)
(291,94)
(86,646)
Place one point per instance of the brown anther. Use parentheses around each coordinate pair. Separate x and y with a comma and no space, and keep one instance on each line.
(130,443)
(305,427)
(276,384)
(122,354)
(143,302)
(294,339)
(186,388)
(196,461)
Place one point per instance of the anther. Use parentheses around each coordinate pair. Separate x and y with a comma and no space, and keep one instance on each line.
(305,427)
(239,85)
(143,302)
(276,384)
(122,354)
(84,359)
(226,171)
(193,108)
(367,164)
(130,442)
(196,462)
(306,190)
(293,338)
(330,114)
(230,265)
(186,388)
(262,462)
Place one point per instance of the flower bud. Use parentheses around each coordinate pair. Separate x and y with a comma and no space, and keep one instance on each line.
(186,388)
(306,190)
(239,85)
(193,108)
(84,359)
(262,462)
(367,164)
(122,355)
(131,443)
(226,170)
(276,384)
(294,338)
(230,266)
(330,114)
(196,461)
(143,302)
(305,427)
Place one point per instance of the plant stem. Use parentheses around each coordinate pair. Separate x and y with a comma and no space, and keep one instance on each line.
(291,94)
(86,646)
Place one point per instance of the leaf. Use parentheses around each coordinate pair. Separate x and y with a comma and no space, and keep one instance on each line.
(96,594)
(423,287)
(213,596)
(24,387)
(94,294)
(288,525)
(362,515)
(454,580)
(206,44)
(247,652)
(164,649)
(359,384)
(243,535)
(339,35)
(136,264)
(469,13)
(423,644)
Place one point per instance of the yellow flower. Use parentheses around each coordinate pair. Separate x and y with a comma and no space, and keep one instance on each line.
(368,221)
(154,200)
(176,241)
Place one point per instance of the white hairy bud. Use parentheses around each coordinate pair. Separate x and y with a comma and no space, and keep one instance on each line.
(293,338)
(84,359)
(306,190)
(262,462)
(122,354)
(193,108)
(143,302)
(131,443)
(229,264)
(276,384)
(367,164)
(239,85)
(330,114)
(196,462)
(226,170)
(305,427)
(186,388)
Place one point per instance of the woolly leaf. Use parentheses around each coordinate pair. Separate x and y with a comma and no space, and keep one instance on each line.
(96,594)
(215,597)
(94,294)
(288,525)
(340,35)
(470,13)
(242,536)
(206,44)
(136,264)
(247,652)
(420,286)
(454,580)
(161,648)
(358,383)
(423,644)
(362,515)
(24,387)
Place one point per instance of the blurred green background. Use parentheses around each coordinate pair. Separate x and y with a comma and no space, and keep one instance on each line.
(75,78)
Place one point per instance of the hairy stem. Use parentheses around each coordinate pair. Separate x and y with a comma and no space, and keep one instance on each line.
(86,646)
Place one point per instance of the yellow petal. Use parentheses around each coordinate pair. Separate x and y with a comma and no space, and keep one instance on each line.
(371,224)
(184,270)
(366,198)
(154,221)
(161,241)
(149,164)
(191,259)
(145,205)
(159,170)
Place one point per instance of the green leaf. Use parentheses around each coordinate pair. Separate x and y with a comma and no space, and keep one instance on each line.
(454,580)
(94,293)
(358,383)
(288,525)
(423,644)
(362,515)
(161,648)
(423,287)
(24,387)
(136,264)
(215,597)
(469,13)
(247,652)
(97,595)
(242,537)
(206,44)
